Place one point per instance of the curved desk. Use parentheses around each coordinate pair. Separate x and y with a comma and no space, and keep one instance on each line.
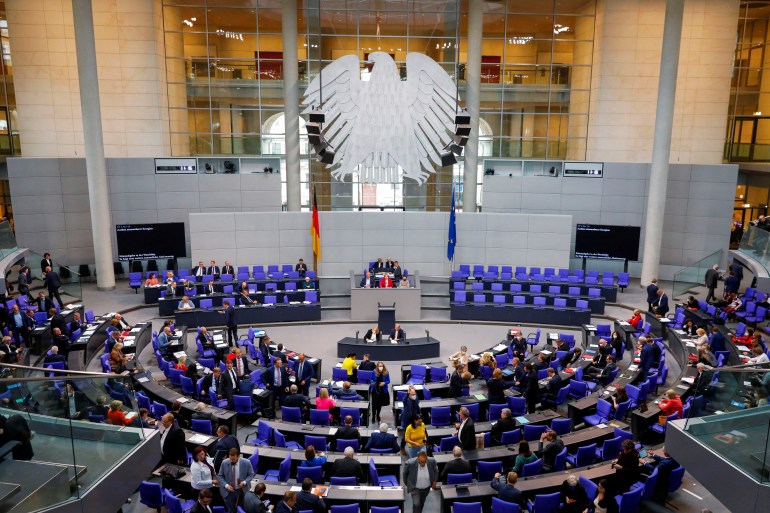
(258,314)
(416,349)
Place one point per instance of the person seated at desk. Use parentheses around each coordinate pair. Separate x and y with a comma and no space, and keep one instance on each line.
(460,357)
(386,282)
(181,364)
(458,465)
(346,393)
(228,269)
(605,498)
(145,420)
(506,488)
(279,354)
(207,341)
(705,356)
(348,466)
(733,305)
(550,446)
(367,364)
(213,270)
(635,319)
(702,338)
(170,284)
(185,304)
(671,404)
(347,431)
(496,388)
(570,358)
(542,362)
(518,371)
(189,287)
(210,289)
(151,281)
(403,283)
(62,341)
(307,284)
(573,496)
(349,364)
(117,359)
(759,356)
(52,356)
(458,381)
(296,400)
(382,440)
(301,268)
(601,376)
(211,381)
(373,335)
(525,456)
(505,424)
(246,300)
(692,303)
(199,270)
(76,324)
(555,384)
(665,464)
(323,401)
(307,501)
(487,360)
(689,328)
(397,334)
(312,458)
(200,413)
(115,415)
(369,282)
(561,345)
(164,344)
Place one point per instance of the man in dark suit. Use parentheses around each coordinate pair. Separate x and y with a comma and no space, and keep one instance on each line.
(602,376)
(296,400)
(397,272)
(211,380)
(717,340)
(552,389)
(506,488)
(264,348)
(397,334)
(278,353)
(228,384)
(665,464)
(711,279)
(348,466)
(228,269)
(307,500)
(221,448)
(213,270)
(661,304)
(230,322)
(287,503)
(505,424)
(75,324)
(58,321)
(200,413)
(369,281)
(206,340)
(531,388)
(240,363)
(570,358)
(466,430)
(45,263)
(172,445)
(245,299)
(255,502)
(550,446)
(458,465)
(347,431)
(276,380)
(646,359)
(457,382)
(737,270)
(366,364)
(382,440)
(198,271)
(301,268)
(203,504)
(42,303)
(304,372)
(53,283)
(652,294)
(52,357)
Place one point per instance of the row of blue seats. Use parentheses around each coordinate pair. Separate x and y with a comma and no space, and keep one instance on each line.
(242,275)
(519,287)
(507,272)
(558,302)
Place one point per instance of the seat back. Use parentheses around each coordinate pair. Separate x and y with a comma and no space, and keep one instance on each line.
(448,443)
(510,437)
(561,426)
(314,473)
(532,469)
(343,481)
(343,444)
(459,478)
(629,501)
(319,417)
(355,413)
(488,469)
(439,416)
(585,455)
(291,414)
(500,506)
(202,426)
(611,448)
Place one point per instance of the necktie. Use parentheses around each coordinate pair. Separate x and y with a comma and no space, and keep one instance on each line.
(278,377)
(235,484)
(239,362)
(299,371)
(232,376)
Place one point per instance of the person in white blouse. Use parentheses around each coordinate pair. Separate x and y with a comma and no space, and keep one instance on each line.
(460,357)
(759,356)
(202,469)
(702,337)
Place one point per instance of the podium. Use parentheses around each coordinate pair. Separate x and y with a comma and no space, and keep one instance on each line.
(386,318)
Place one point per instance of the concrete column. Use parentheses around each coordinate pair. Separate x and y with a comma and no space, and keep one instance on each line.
(291,104)
(96,166)
(661,144)
(472,100)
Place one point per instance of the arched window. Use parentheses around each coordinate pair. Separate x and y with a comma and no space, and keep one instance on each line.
(273,135)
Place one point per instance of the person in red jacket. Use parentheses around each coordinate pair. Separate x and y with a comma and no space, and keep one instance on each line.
(672,404)
(386,282)
(635,319)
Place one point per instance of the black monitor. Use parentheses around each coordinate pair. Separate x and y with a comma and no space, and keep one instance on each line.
(150,241)
(607,242)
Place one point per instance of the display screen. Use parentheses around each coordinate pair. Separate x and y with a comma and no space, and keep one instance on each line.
(607,241)
(150,241)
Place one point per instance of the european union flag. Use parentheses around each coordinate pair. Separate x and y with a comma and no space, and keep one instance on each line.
(452,239)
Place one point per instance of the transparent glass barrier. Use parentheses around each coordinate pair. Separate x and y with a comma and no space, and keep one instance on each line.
(64,436)
(694,275)
(7,240)
(755,243)
(730,416)
(71,290)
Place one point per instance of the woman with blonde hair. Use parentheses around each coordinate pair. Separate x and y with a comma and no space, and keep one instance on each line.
(115,415)
(379,390)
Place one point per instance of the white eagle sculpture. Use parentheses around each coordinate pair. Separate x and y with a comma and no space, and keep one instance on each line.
(385,122)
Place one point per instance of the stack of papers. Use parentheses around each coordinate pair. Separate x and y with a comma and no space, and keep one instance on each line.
(198,439)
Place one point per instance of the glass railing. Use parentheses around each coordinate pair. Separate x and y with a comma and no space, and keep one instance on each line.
(66,443)
(694,275)
(732,417)
(755,243)
(71,290)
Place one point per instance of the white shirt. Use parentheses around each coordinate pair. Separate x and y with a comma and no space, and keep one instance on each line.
(460,430)
(423,476)
(163,438)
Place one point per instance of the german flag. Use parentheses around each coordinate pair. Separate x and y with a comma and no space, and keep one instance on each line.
(315,229)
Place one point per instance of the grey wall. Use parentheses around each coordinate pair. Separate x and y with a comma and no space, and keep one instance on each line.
(51,209)
(349,240)
(699,206)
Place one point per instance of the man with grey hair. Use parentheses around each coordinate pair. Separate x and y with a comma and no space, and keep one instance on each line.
(458,465)
(711,279)
(382,440)
(420,475)
(573,495)
(172,445)
(200,413)
(466,430)
(506,423)
(348,466)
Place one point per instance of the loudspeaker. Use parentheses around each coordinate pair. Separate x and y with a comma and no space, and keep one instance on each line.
(313,128)
(326,155)
(457,150)
(316,116)
(314,139)
(461,140)
(448,159)
(464,130)
(463,118)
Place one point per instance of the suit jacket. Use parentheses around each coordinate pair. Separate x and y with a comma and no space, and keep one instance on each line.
(604,376)
(468,435)
(206,340)
(661,306)
(380,440)
(554,385)
(532,387)
(397,273)
(281,507)
(652,293)
(51,358)
(401,334)
(52,280)
(347,433)
(174,449)
(268,378)
(43,305)
(301,269)
(213,271)
(200,508)
(307,372)
(506,492)
(373,282)
(281,356)
(220,449)
(297,401)
(228,269)
(230,317)
(226,386)
(348,467)
(310,502)
(46,262)
(712,277)
(369,334)
(194,271)
(208,382)
(58,321)
(244,367)
(245,473)
(367,365)
(456,466)
(600,360)
(500,427)
(646,358)
(410,472)
(717,342)
(456,384)
(245,299)
(74,326)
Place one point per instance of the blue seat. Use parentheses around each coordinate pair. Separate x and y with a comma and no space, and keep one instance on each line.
(590,487)
(319,417)
(317,441)
(583,457)
(343,481)
(264,434)
(501,506)
(510,437)
(466,507)
(151,494)
(446,444)
(609,450)
(488,469)
(560,462)
(459,478)
(377,480)
(355,413)
(578,389)
(202,426)
(314,473)
(282,474)
(561,426)
(602,415)
(440,416)
(629,501)
(675,479)
(437,375)
(280,441)
(291,414)
(244,406)
(494,411)
(533,432)
(532,469)
(365,377)
(417,375)
(518,405)
(544,503)
(343,444)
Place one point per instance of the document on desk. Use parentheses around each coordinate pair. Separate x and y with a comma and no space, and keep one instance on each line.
(590,327)
(689,380)
(500,347)
(332,431)
(199,439)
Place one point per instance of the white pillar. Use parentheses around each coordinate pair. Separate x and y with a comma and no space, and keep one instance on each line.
(472,100)
(96,166)
(291,104)
(661,144)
